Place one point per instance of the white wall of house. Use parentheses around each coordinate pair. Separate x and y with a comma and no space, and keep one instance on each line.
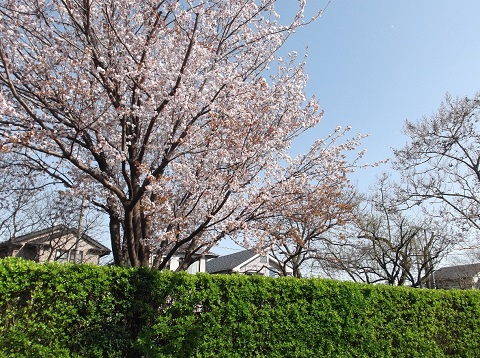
(260,265)
(174,263)
(197,266)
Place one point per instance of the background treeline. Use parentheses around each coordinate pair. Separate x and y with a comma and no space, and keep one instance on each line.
(63,310)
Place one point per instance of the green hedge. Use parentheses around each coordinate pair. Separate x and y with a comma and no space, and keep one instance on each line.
(63,310)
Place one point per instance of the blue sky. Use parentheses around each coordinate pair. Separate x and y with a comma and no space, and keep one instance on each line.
(374,63)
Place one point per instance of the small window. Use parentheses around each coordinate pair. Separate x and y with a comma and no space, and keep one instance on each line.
(263,259)
(61,255)
(76,256)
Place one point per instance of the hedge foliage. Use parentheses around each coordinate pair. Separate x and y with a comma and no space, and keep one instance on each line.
(63,310)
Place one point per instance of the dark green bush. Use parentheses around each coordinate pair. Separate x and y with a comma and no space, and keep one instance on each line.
(62,310)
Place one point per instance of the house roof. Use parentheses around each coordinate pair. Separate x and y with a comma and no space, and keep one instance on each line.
(457,272)
(40,236)
(229,262)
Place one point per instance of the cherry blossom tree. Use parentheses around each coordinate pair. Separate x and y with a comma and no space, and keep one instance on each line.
(296,230)
(173,117)
(298,236)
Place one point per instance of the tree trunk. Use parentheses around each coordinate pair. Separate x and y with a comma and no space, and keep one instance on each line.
(131,239)
(296,272)
(116,239)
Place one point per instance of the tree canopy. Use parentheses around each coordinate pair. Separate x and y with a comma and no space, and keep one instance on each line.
(441,163)
(173,117)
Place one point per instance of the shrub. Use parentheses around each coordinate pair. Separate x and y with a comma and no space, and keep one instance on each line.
(64,310)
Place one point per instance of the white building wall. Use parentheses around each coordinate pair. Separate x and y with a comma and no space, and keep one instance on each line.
(174,263)
(203,264)
(258,265)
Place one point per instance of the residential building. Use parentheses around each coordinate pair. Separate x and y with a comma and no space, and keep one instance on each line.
(460,276)
(59,243)
(246,262)
(200,265)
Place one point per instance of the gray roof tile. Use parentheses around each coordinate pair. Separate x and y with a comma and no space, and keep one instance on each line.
(457,272)
(228,262)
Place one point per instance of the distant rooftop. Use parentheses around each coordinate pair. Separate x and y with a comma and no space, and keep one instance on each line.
(457,272)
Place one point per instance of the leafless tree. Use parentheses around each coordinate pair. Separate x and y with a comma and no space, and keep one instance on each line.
(441,163)
(29,203)
(387,245)
(18,191)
